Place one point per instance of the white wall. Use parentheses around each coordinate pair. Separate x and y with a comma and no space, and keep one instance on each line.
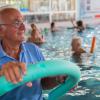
(89,9)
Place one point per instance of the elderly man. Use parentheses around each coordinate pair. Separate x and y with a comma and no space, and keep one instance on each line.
(15,55)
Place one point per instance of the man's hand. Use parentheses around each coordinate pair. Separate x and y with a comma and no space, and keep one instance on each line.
(13,71)
(29,84)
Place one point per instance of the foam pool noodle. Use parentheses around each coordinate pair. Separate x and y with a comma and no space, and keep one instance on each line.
(93,44)
(45,69)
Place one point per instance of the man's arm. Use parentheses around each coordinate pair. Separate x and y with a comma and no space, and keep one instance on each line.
(51,82)
(12,71)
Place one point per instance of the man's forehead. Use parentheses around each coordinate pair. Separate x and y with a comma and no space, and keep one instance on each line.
(12,15)
(16,16)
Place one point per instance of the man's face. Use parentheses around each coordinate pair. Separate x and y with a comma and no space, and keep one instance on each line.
(14,27)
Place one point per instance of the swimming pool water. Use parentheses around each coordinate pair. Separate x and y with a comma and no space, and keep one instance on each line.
(58,47)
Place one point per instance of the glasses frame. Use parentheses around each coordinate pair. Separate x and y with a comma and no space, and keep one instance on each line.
(16,24)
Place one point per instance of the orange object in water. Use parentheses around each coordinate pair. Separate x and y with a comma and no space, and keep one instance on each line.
(97,16)
(93,44)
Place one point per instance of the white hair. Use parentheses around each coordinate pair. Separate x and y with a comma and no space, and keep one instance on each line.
(76,38)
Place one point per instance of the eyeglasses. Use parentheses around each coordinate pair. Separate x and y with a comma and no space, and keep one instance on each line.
(16,24)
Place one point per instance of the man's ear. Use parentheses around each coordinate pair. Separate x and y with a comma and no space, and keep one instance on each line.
(2,29)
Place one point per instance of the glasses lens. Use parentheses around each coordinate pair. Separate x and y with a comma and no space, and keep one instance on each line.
(18,23)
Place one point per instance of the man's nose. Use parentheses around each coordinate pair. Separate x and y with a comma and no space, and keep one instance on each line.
(22,26)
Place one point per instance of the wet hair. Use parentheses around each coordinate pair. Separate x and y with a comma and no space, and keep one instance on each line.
(80,26)
(34,27)
(79,23)
(52,24)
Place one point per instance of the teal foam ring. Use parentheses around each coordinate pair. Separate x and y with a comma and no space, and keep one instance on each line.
(45,69)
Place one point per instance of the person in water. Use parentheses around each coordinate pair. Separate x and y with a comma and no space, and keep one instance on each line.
(77,49)
(36,36)
(53,27)
(79,55)
(80,26)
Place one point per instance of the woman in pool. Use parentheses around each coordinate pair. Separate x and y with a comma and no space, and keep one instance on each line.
(79,55)
(76,46)
(53,27)
(80,26)
(36,37)
(77,49)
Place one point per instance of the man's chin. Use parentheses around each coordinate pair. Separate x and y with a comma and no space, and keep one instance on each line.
(21,40)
